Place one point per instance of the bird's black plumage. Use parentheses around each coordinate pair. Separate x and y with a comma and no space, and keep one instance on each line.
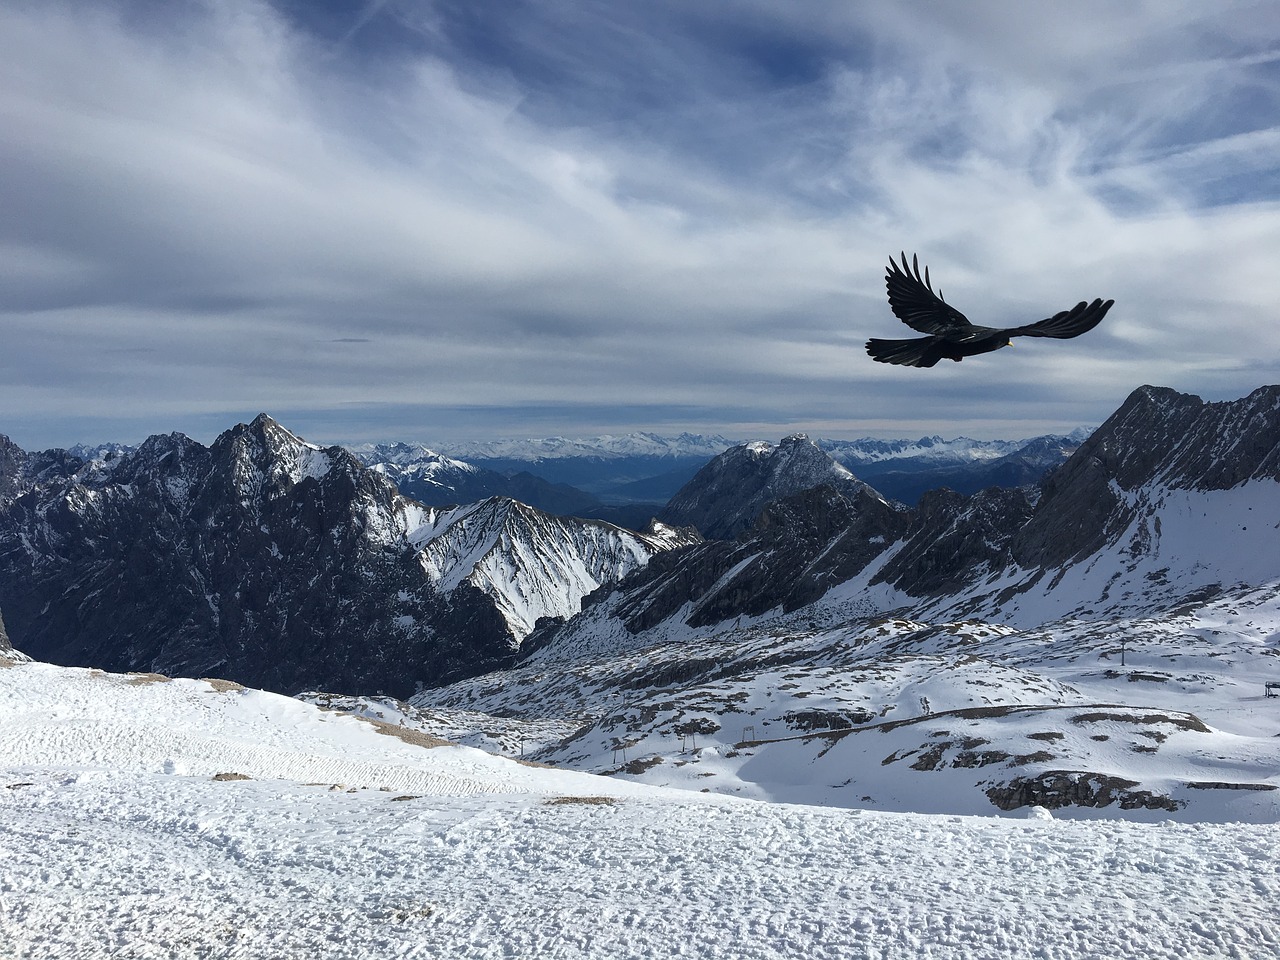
(949,334)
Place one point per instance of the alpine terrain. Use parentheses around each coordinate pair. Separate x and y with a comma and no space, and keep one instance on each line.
(798,717)
(1100,644)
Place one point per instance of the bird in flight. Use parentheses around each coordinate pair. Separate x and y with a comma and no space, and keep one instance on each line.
(950,335)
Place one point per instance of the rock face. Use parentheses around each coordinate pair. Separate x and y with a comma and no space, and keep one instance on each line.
(953,540)
(1159,439)
(723,500)
(531,564)
(262,558)
(800,547)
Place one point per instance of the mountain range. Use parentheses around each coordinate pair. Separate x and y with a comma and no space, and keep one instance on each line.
(783,625)
(626,479)
(1104,641)
(279,563)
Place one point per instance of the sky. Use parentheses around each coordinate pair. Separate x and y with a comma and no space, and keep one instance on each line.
(440,219)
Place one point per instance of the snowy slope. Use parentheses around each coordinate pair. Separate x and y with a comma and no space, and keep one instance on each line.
(962,717)
(140,724)
(117,839)
(531,563)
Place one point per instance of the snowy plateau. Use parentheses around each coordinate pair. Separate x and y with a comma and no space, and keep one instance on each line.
(1027,723)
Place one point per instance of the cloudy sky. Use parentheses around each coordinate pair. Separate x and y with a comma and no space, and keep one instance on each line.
(435,219)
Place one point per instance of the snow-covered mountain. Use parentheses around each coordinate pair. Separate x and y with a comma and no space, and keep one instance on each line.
(532,564)
(727,495)
(871,677)
(277,562)
(1130,521)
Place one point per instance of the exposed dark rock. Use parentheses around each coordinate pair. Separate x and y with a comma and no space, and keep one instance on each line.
(799,547)
(1055,789)
(807,721)
(954,540)
(1222,785)
(1157,437)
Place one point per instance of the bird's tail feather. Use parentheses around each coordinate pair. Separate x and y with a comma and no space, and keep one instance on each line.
(917,352)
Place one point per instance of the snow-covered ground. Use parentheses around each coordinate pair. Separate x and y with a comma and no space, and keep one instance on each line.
(122,835)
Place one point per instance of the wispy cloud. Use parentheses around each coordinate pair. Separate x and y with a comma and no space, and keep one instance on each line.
(647,214)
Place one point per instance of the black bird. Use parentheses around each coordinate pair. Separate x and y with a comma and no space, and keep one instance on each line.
(950,335)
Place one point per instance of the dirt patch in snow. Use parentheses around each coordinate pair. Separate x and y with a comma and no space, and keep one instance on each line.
(407,734)
(223,686)
(142,679)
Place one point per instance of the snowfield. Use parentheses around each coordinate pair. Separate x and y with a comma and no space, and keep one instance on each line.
(128,829)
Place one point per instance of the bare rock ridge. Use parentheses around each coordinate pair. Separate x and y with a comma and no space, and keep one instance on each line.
(1158,438)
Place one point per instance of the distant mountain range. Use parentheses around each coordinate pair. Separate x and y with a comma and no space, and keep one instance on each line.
(628,479)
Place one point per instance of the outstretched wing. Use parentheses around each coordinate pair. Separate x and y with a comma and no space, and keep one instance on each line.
(913,301)
(1081,318)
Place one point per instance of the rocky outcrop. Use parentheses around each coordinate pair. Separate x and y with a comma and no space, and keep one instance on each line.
(798,549)
(1055,789)
(955,540)
(12,467)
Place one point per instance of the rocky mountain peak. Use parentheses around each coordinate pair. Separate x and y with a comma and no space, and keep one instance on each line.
(13,460)
(724,498)
(264,458)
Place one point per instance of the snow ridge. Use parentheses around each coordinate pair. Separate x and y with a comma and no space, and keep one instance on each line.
(532,564)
